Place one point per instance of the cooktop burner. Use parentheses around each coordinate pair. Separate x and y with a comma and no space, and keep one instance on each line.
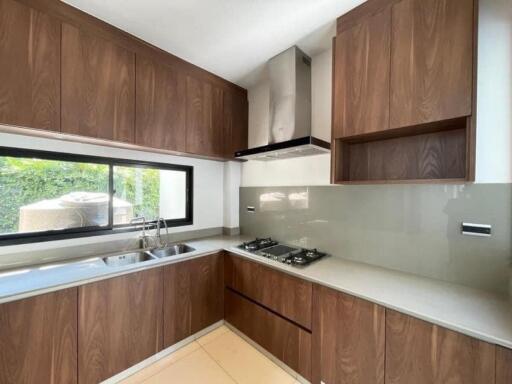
(283,253)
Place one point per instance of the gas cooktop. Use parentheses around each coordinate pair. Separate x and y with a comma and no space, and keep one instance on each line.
(271,249)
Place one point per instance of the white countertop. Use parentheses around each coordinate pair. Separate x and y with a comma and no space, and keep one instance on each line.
(472,312)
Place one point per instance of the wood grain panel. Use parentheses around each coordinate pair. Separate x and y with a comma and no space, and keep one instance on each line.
(285,340)
(29,67)
(503,365)
(38,339)
(348,339)
(422,353)
(98,87)
(438,155)
(161,106)
(287,295)
(119,324)
(235,123)
(193,296)
(204,118)
(431,61)
(361,77)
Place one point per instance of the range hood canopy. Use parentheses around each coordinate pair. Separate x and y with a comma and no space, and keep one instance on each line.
(289,110)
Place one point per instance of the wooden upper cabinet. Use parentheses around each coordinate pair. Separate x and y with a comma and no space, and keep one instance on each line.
(98,87)
(204,119)
(161,106)
(361,76)
(119,324)
(431,61)
(235,123)
(503,365)
(193,296)
(348,339)
(29,67)
(422,353)
(38,339)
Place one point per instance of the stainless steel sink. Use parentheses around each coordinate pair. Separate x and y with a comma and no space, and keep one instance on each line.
(128,258)
(171,250)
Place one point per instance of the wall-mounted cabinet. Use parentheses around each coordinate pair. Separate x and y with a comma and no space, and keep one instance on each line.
(404,92)
(29,67)
(64,70)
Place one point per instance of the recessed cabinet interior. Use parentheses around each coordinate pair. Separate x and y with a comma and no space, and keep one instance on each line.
(404,86)
(29,67)
(98,87)
(193,296)
(119,324)
(422,353)
(70,72)
(348,339)
(38,339)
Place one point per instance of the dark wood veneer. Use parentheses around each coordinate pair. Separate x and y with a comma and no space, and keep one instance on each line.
(98,87)
(29,67)
(422,353)
(287,295)
(288,342)
(38,339)
(503,365)
(348,339)
(119,324)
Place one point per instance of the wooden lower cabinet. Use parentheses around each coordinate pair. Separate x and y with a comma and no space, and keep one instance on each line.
(38,339)
(348,339)
(193,296)
(288,342)
(422,353)
(503,365)
(119,324)
(287,295)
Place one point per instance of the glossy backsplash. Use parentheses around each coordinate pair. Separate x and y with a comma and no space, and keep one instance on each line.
(411,228)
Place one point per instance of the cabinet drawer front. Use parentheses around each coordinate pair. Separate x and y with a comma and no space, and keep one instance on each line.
(282,293)
(285,340)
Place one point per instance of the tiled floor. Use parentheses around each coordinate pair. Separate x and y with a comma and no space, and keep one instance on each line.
(220,357)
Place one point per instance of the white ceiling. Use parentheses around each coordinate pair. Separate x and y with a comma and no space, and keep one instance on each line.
(231,38)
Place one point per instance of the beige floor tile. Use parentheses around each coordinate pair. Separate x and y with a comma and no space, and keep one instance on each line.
(244,363)
(156,367)
(209,337)
(195,368)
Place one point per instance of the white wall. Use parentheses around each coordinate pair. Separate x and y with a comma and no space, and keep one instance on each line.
(208,185)
(232,180)
(494,111)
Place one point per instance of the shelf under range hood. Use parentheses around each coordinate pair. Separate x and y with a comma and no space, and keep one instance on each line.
(304,146)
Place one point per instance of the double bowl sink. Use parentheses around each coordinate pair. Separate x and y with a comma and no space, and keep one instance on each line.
(152,254)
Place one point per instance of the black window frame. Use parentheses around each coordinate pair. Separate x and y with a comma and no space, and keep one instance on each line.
(70,233)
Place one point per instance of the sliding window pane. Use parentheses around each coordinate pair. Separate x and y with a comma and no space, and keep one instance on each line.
(149,192)
(41,195)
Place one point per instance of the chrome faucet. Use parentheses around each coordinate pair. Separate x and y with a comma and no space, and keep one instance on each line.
(159,235)
(144,238)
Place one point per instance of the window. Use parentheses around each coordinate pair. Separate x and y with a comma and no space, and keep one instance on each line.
(48,196)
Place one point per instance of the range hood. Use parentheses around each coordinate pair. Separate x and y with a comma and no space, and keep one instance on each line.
(289,111)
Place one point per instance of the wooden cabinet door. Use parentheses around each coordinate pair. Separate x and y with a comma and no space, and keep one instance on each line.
(422,353)
(193,296)
(98,87)
(503,365)
(29,67)
(287,295)
(235,123)
(119,324)
(348,339)
(431,61)
(205,118)
(361,77)
(288,342)
(38,339)
(161,106)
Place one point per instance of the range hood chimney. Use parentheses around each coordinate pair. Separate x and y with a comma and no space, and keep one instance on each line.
(290,111)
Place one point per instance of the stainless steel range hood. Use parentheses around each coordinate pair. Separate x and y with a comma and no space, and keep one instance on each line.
(290,111)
